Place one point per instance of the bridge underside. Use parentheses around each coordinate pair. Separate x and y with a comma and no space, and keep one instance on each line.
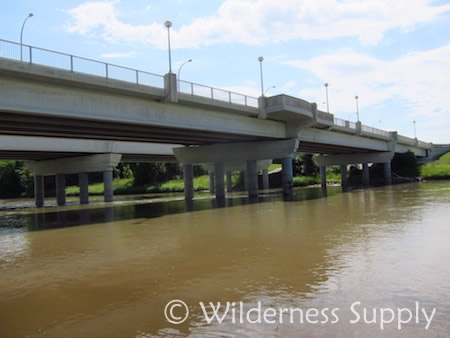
(32,125)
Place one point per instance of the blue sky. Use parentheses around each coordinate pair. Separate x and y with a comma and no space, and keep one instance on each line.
(395,55)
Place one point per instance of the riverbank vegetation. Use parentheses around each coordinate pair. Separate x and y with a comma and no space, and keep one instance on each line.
(140,178)
(439,169)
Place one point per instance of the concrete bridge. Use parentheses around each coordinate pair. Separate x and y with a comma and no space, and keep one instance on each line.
(66,114)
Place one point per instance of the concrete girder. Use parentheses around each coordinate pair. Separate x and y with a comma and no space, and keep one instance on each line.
(73,165)
(344,159)
(242,151)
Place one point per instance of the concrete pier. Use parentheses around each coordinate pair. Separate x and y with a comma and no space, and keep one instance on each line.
(60,189)
(188,178)
(220,181)
(39,190)
(252,173)
(83,183)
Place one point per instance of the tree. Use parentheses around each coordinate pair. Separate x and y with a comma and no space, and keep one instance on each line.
(10,179)
(405,165)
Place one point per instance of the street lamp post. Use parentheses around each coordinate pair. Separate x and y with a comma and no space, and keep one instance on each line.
(357,107)
(179,71)
(415,135)
(21,35)
(326,93)
(260,59)
(168,24)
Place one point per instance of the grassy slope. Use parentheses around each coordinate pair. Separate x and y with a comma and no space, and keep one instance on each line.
(437,169)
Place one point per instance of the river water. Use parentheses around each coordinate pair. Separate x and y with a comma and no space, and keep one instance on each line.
(366,263)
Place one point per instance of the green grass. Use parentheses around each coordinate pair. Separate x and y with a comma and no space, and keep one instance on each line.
(437,169)
(125,186)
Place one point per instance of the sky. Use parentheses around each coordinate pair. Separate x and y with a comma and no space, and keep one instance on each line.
(393,55)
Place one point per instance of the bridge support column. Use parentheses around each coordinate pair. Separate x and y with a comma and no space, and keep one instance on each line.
(60,189)
(188,177)
(365,174)
(245,176)
(387,173)
(108,192)
(212,183)
(287,176)
(344,178)
(83,183)
(229,182)
(252,173)
(323,180)
(265,179)
(220,182)
(39,190)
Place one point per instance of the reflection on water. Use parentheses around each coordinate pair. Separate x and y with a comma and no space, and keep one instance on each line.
(384,247)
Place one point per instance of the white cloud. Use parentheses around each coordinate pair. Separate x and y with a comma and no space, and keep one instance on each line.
(264,21)
(419,80)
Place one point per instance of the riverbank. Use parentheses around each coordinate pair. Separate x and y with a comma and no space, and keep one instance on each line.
(436,170)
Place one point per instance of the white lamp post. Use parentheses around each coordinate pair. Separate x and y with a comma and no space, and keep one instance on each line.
(357,107)
(21,35)
(326,94)
(261,59)
(168,24)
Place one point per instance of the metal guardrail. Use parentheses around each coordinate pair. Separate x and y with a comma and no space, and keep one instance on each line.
(50,58)
(212,93)
(375,131)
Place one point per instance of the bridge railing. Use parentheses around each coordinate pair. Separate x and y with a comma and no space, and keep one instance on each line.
(212,93)
(344,123)
(50,58)
(375,131)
